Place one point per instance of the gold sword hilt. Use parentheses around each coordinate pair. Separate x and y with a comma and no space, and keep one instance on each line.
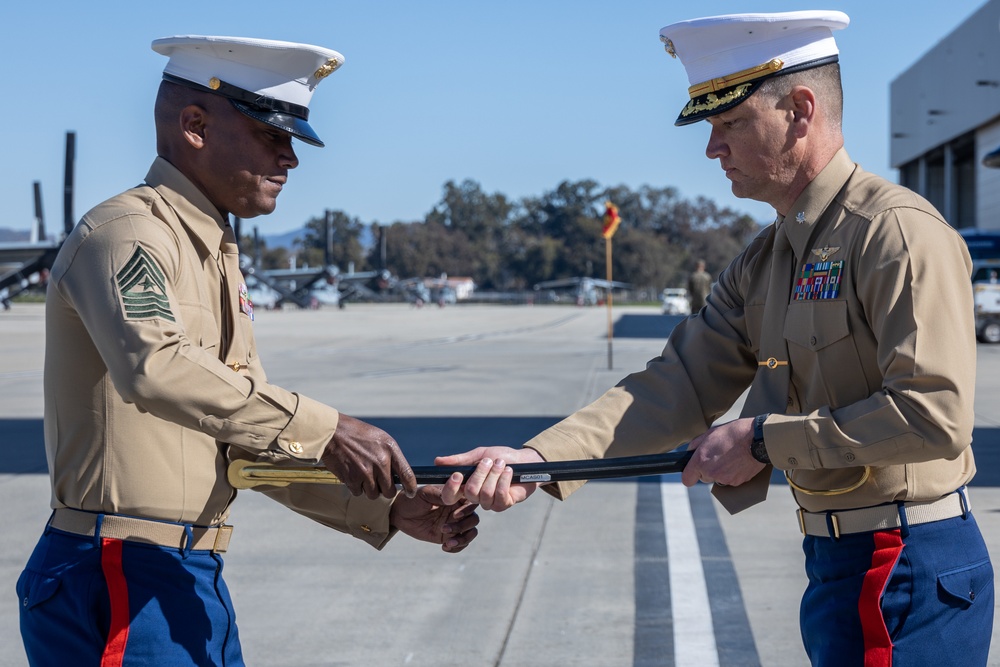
(248,474)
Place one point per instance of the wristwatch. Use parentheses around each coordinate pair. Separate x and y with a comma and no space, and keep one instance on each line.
(757,448)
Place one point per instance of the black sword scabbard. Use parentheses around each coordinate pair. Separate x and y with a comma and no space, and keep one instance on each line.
(565,471)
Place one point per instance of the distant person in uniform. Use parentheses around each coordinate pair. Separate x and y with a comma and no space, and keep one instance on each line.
(850,319)
(699,286)
(153,384)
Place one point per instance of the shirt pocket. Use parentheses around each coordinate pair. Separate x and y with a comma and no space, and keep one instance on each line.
(824,357)
(200,325)
(816,325)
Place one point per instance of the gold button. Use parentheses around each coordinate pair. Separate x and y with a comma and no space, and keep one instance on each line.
(295,447)
(366,529)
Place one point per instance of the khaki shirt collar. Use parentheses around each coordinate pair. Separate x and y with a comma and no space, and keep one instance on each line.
(808,209)
(198,215)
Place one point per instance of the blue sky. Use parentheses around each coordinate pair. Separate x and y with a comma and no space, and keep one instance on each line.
(517,95)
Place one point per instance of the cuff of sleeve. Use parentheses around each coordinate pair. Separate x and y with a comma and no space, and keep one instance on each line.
(309,430)
(558,490)
(786,442)
(368,520)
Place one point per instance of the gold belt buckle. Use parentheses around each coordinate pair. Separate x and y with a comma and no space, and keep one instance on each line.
(834,521)
(836,525)
(222,536)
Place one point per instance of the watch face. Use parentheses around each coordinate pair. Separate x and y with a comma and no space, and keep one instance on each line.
(757,448)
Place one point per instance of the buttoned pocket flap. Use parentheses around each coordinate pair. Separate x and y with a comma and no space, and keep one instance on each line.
(816,324)
(34,589)
(967,583)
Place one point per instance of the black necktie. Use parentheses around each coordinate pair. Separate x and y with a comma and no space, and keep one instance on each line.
(769,391)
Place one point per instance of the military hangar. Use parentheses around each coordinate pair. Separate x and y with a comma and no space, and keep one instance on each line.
(944,119)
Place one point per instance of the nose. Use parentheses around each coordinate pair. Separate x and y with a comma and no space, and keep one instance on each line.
(287,158)
(716,147)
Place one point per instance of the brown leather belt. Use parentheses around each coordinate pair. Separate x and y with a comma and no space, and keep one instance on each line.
(146,531)
(882,517)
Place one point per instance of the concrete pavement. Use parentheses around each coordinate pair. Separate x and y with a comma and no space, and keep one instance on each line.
(592,581)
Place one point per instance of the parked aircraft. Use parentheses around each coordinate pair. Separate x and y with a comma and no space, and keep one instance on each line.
(27,263)
(311,287)
(585,291)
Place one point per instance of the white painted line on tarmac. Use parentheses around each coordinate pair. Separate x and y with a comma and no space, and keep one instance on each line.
(694,634)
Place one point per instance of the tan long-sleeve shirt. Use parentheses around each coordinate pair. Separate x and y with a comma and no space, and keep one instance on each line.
(882,368)
(152,378)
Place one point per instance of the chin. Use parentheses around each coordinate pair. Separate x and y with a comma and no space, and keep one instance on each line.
(261,208)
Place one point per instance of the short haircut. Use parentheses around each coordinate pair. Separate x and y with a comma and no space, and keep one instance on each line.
(824,81)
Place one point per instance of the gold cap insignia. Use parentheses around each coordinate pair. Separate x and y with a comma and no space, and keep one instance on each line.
(214,83)
(327,68)
(668,46)
(713,101)
(825,252)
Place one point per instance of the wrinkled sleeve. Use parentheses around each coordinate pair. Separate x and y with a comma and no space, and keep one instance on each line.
(707,363)
(331,505)
(915,288)
(156,366)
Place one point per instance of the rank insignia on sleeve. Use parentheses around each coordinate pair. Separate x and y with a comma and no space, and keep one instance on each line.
(143,288)
(819,281)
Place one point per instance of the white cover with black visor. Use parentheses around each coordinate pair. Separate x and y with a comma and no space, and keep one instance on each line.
(728,57)
(268,80)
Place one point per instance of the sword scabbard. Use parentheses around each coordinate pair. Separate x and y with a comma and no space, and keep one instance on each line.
(248,474)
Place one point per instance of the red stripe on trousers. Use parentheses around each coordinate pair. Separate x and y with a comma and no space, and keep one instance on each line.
(878,645)
(111,563)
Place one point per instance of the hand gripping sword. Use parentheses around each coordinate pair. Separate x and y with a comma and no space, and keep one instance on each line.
(248,474)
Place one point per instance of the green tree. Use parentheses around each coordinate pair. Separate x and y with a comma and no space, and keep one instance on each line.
(333,238)
(427,249)
(482,219)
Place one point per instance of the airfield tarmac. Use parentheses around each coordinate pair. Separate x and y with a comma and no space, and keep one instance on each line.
(624,573)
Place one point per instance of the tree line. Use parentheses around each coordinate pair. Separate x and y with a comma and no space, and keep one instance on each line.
(505,244)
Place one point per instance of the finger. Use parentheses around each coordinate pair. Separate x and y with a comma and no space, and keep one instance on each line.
(355,484)
(407,478)
(691,474)
(451,492)
(455,544)
(382,483)
(462,526)
(487,494)
(340,465)
(502,492)
(464,509)
(464,459)
(476,479)
(372,490)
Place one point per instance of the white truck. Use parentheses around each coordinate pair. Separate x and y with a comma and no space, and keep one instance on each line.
(986,296)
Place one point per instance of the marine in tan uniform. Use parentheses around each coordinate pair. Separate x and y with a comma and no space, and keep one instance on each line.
(699,286)
(850,318)
(153,383)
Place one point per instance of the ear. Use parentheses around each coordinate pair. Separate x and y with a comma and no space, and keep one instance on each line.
(193,119)
(803,108)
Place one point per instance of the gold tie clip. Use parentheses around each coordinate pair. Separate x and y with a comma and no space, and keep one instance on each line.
(772,363)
